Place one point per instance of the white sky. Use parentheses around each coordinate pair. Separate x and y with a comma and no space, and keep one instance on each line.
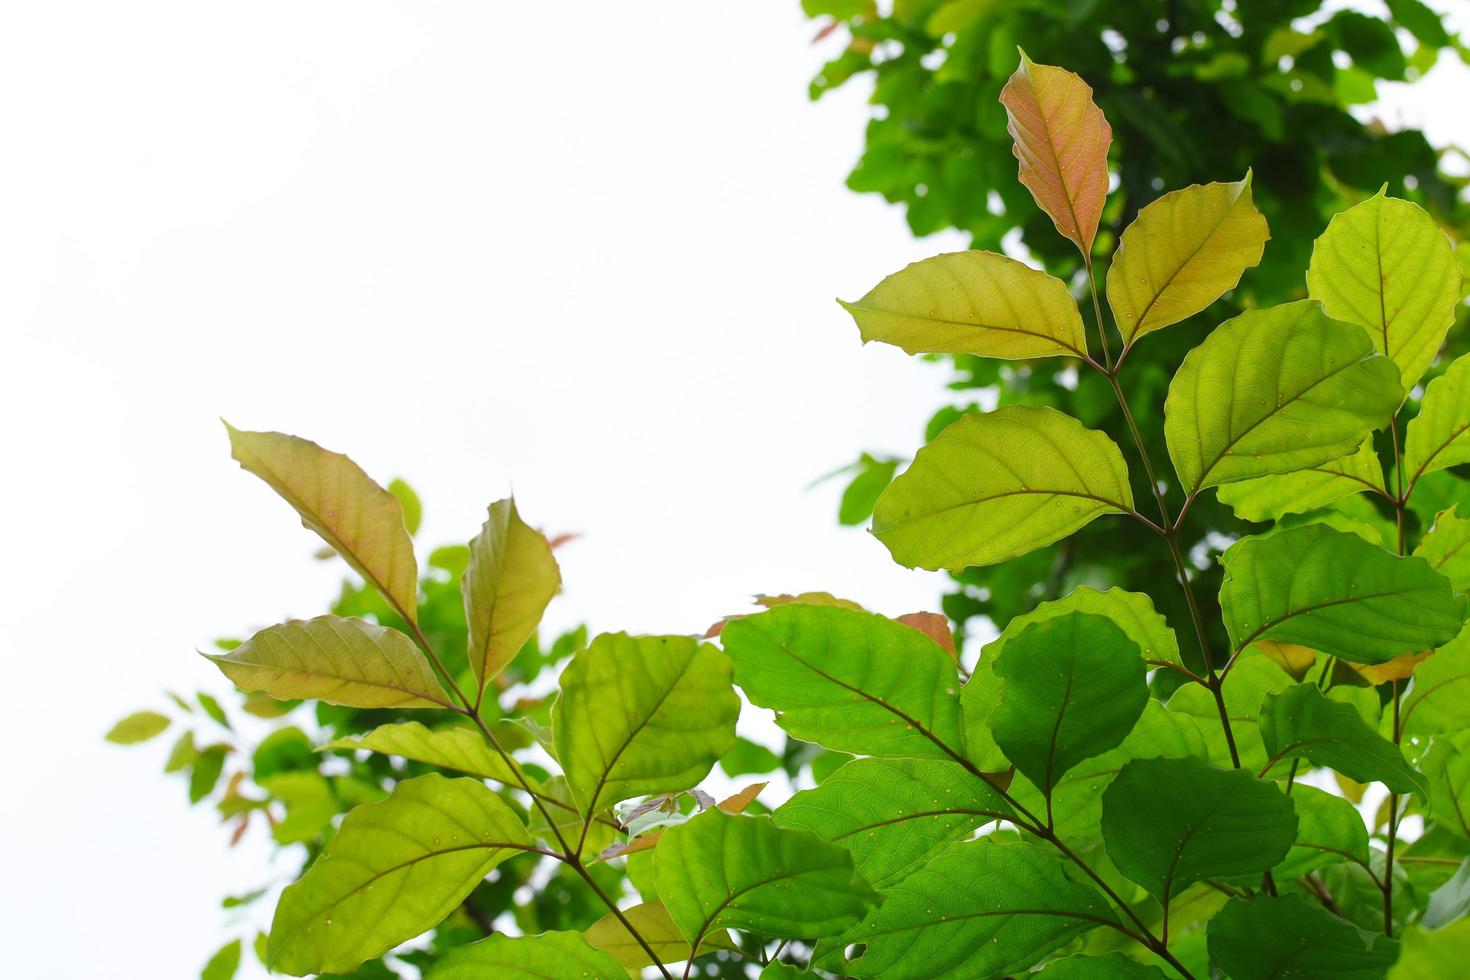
(591,253)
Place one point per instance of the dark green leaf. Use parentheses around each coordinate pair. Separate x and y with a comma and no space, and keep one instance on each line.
(1270,938)
(1302,723)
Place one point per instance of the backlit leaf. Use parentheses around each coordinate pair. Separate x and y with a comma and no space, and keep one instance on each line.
(994,486)
(724,871)
(1251,679)
(1303,723)
(1072,687)
(394,869)
(1183,252)
(139,726)
(1447,765)
(892,814)
(1168,823)
(550,954)
(653,923)
(1439,436)
(1439,700)
(1061,140)
(1433,955)
(1268,938)
(972,303)
(851,681)
(1110,966)
(1336,593)
(1273,391)
(977,909)
(640,715)
(339,660)
(1269,498)
(1386,266)
(1329,830)
(1132,612)
(224,963)
(1447,548)
(336,499)
(459,748)
(511,577)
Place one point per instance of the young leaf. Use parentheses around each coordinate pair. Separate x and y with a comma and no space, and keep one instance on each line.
(1303,723)
(1132,612)
(550,954)
(640,715)
(1109,966)
(1270,498)
(978,909)
(511,577)
(724,871)
(1168,823)
(1183,252)
(1336,593)
(1447,548)
(1439,701)
(1273,391)
(1267,938)
(137,727)
(1439,436)
(653,923)
(892,814)
(1386,266)
(336,499)
(394,869)
(461,749)
(344,661)
(972,303)
(1061,140)
(994,486)
(1073,687)
(850,681)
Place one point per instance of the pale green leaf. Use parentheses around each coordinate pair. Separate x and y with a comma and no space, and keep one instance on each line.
(972,303)
(1251,679)
(1169,823)
(1335,593)
(1450,901)
(1439,700)
(511,577)
(1302,723)
(1447,548)
(892,814)
(1269,498)
(1447,765)
(848,680)
(977,909)
(1386,266)
(1183,252)
(346,661)
(224,963)
(394,869)
(723,871)
(541,957)
(137,727)
(1433,955)
(1329,830)
(1072,687)
(458,748)
(1273,391)
(640,715)
(994,486)
(336,499)
(653,924)
(1274,938)
(1132,612)
(1439,436)
(978,700)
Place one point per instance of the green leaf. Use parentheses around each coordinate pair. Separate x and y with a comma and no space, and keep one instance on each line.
(182,754)
(747,758)
(1329,830)
(137,727)
(640,715)
(1072,687)
(1273,391)
(409,502)
(1386,266)
(972,303)
(1447,548)
(550,954)
(1168,823)
(1132,612)
(1422,22)
(873,475)
(1109,966)
(979,698)
(1439,436)
(978,909)
(511,578)
(994,486)
(458,748)
(223,964)
(1447,764)
(892,814)
(205,772)
(1439,701)
(653,923)
(212,708)
(849,680)
(336,499)
(723,871)
(394,869)
(1450,901)
(1183,252)
(1335,593)
(1269,498)
(1433,955)
(1303,723)
(1268,938)
(346,661)
(1251,679)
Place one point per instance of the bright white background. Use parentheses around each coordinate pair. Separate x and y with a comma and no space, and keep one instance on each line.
(586,250)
